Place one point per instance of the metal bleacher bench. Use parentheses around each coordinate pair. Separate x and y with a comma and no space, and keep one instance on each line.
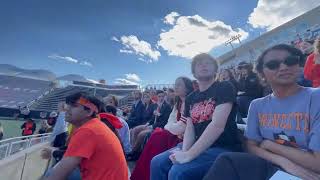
(242,127)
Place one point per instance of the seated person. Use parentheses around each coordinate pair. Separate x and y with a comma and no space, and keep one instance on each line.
(164,139)
(211,128)
(111,103)
(283,130)
(148,117)
(249,88)
(92,146)
(136,115)
(159,119)
(59,134)
(122,131)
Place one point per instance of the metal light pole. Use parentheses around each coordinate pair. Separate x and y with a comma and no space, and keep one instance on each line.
(232,39)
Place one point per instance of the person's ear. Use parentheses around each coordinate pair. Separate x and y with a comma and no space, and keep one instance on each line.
(89,112)
(262,76)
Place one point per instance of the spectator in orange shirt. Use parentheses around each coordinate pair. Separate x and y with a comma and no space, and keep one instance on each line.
(93,146)
(312,67)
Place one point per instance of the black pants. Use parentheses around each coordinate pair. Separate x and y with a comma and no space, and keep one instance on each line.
(240,166)
(244,103)
(60,140)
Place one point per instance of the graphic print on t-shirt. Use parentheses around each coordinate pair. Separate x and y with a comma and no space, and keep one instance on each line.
(202,111)
(283,139)
(297,121)
(286,126)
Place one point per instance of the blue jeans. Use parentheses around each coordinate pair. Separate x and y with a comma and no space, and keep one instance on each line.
(163,169)
(75,174)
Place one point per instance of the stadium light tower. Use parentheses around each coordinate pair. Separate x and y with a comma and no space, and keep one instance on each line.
(232,39)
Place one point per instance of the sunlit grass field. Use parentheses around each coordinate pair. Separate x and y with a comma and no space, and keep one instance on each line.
(11,127)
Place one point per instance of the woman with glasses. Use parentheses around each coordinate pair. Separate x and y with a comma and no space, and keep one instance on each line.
(283,130)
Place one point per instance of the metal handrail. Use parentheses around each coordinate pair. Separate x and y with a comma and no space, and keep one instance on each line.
(20,137)
(10,142)
(13,143)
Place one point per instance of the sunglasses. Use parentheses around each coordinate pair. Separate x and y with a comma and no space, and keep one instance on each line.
(289,61)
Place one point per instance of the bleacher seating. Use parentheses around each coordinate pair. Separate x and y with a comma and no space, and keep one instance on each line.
(49,102)
(18,91)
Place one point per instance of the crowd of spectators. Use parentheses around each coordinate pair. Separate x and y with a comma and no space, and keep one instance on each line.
(190,131)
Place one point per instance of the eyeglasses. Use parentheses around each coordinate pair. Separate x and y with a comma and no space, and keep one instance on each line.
(289,61)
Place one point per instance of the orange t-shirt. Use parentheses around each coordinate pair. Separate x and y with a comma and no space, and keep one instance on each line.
(101,152)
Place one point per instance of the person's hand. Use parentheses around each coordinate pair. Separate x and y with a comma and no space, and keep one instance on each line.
(298,171)
(156,113)
(46,153)
(240,93)
(185,119)
(175,150)
(180,157)
(265,144)
(180,136)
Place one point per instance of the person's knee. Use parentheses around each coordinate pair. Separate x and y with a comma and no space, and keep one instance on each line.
(142,134)
(135,131)
(155,161)
(159,161)
(223,159)
(177,173)
(221,165)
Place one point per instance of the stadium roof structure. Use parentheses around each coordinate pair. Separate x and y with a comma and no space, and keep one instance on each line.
(304,26)
(39,74)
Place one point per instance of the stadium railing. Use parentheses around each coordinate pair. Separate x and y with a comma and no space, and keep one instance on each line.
(11,146)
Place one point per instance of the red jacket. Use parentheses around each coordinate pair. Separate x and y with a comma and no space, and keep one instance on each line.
(28,128)
(312,71)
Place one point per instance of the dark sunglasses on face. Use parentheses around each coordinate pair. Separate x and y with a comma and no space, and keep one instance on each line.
(289,61)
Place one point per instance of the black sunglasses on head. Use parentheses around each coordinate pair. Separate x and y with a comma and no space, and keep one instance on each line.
(289,61)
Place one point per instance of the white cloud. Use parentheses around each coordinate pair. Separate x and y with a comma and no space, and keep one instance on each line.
(141,59)
(171,18)
(126,51)
(66,58)
(133,77)
(132,45)
(272,13)
(114,39)
(125,82)
(70,59)
(86,63)
(191,35)
(130,79)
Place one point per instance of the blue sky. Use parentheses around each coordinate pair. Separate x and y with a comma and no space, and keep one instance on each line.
(129,41)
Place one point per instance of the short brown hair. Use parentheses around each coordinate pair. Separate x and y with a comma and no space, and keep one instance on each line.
(201,56)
